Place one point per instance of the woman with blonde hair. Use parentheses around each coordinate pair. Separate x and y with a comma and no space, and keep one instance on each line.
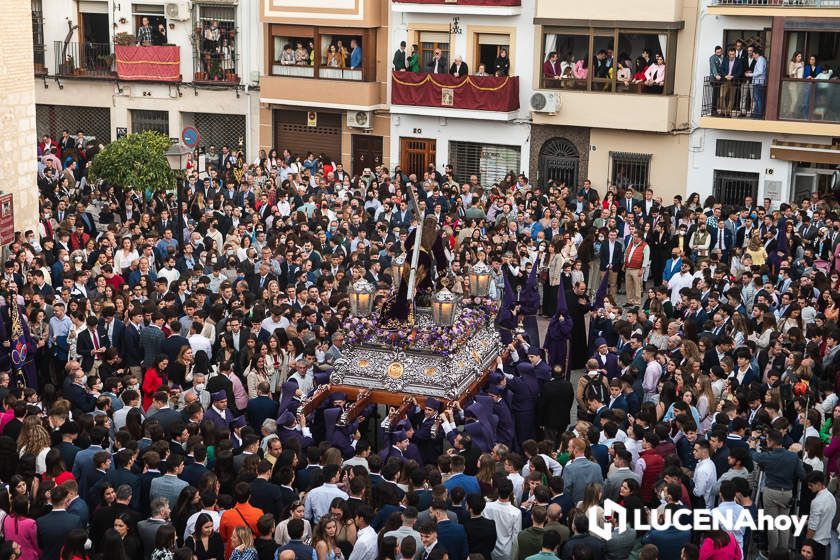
(34,440)
(690,351)
(242,544)
(756,250)
(706,402)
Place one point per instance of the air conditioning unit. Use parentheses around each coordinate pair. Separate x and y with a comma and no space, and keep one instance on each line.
(545,102)
(359,119)
(177,11)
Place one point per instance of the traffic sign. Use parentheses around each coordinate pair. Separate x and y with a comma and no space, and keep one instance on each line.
(190,136)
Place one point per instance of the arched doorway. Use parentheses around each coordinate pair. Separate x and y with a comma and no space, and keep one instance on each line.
(560,161)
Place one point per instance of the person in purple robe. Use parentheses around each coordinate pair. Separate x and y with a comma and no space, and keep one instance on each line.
(218,412)
(290,428)
(559,333)
(529,300)
(525,390)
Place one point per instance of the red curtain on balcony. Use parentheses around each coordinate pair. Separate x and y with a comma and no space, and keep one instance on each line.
(160,64)
(483,93)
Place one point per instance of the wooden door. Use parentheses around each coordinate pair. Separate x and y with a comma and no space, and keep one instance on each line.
(367,152)
(416,154)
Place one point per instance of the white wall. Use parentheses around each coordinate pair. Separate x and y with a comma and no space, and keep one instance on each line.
(702,162)
(445,130)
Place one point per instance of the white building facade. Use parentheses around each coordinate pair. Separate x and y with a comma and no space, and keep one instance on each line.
(488,141)
(789,147)
(218,57)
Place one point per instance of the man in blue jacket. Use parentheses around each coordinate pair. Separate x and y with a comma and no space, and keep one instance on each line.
(451,535)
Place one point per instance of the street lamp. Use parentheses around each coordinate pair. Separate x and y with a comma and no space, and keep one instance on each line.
(176,155)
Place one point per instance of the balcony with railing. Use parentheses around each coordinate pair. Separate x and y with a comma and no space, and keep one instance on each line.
(444,91)
(83,60)
(780,3)
(215,56)
(736,98)
(784,8)
(815,101)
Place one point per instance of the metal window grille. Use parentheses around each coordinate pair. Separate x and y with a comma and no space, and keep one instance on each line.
(737,149)
(216,60)
(142,121)
(630,170)
(732,187)
(38,45)
(220,130)
(95,122)
(490,162)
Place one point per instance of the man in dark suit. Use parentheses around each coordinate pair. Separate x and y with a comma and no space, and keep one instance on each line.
(113,328)
(76,505)
(197,468)
(85,219)
(732,71)
(259,281)
(151,339)
(132,353)
(481,532)
(262,407)
(264,495)
(75,391)
(555,402)
(54,526)
(168,417)
(91,343)
(172,345)
(438,63)
(450,534)
(721,240)
(612,258)
(121,474)
(459,68)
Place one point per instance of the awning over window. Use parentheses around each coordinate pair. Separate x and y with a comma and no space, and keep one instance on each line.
(800,151)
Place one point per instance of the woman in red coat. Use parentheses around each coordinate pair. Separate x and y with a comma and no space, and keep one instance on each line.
(154,379)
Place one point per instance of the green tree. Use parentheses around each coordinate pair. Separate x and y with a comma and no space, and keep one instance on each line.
(136,161)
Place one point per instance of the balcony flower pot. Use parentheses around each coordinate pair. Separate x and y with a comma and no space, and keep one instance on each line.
(199,77)
(231,77)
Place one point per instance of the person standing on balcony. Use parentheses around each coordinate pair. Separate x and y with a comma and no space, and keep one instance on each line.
(413,60)
(732,70)
(458,68)
(144,33)
(715,75)
(502,66)
(355,55)
(399,58)
(759,83)
(746,84)
(438,63)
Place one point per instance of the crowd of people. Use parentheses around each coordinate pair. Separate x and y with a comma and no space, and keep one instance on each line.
(154,375)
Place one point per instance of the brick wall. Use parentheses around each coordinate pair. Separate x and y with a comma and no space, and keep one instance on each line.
(17,113)
(578,136)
